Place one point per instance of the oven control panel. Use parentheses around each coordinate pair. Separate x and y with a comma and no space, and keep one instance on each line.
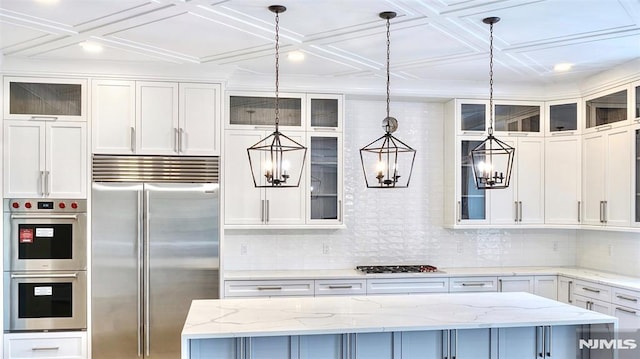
(41,205)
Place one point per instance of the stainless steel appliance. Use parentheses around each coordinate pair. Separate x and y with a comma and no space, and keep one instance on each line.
(419,268)
(154,249)
(45,279)
(45,234)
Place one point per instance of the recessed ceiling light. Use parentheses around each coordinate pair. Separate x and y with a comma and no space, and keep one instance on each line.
(562,67)
(89,46)
(295,56)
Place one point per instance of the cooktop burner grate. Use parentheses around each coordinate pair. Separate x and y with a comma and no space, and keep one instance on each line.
(425,268)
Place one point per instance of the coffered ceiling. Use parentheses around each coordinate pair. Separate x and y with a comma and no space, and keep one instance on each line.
(431,40)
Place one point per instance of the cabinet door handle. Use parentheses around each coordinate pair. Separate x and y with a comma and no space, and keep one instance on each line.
(262,210)
(539,341)
(604,212)
(591,290)
(549,342)
(132,139)
(340,287)
(627,298)
(626,310)
(520,212)
(267,211)
(601,205)
(516,208)
(269,288)
(39,349)
(603,128)
(42,183)
(446,343)
(499,285)
(44,118)
(569,291)
(459,211)
(176,139)
(46,183)
(473,284)
(579,204)
(454,339)
(340,210)
(180,138)
(325,129)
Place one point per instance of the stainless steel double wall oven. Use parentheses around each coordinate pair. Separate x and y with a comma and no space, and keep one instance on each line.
(45,264)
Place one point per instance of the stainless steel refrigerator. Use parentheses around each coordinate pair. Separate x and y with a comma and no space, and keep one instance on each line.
(154,249)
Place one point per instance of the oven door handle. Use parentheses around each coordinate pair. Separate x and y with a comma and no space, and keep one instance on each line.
(47,216)
(66,275)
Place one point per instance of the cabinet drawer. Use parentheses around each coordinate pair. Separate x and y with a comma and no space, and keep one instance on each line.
(592,290)
(45,345)
(625,297)
(407,285)
(596,305)
(340,287)
(473,284)
(268,288)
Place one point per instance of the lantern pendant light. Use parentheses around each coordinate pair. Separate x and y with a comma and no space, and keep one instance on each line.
(277,161)
(492,159)
(385,158)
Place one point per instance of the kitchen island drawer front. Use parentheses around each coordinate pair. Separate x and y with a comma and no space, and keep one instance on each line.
(625,297)
(268,288)
(340,287)
(592,290)
(473,284)
(68,345)
(407,285)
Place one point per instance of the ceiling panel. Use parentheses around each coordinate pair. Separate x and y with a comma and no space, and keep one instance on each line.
(313,63)
(108,53)
(13,35)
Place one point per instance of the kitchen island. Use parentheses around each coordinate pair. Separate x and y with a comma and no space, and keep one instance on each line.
(473,325)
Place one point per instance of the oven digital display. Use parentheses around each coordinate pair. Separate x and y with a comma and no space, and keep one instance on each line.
(45,205)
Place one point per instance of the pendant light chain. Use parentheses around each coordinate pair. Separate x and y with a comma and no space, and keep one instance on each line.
(277,69)
(388,62)
(491,79)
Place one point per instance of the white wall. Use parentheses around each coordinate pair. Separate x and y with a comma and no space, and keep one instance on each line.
(617,252)
(400,225)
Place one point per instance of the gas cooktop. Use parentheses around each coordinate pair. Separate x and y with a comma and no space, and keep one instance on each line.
(424,268)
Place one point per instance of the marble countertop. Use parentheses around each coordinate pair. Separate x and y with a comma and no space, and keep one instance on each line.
(618,280)
(226,318)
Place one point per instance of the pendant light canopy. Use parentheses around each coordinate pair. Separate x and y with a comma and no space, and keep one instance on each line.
(492,159)
(387,162)
(277,161)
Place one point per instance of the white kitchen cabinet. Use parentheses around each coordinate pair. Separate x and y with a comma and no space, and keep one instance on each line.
(546,286)
(523,201)
(67,345)
(606,175)
(246,204)
(635,151)
(565,287)
(36,98)
(340,287)
(538,342)
(628,318)
(324,168)
(563,180)
(155,118)
(256,110)
(516,284)
(45,159)
(522,118)
(268,288)
(473,284)
(564,117)
(608,109)
(325,112)
(596,305)
(407,285)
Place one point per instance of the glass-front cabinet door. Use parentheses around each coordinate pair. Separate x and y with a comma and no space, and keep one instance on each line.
(471,116)
(257,110)
(636,96)
(636,173)
(607,109)
(47,99)
(563,117)
(472,202)
(518,118)
(325,112)
(324,195)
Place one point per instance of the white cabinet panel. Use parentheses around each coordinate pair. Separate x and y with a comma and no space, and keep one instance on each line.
(67,345)
(373,346)
(200,113)
(326,346)
(516,284)
(422,344)
(625,297)
(66,160)
(113,116)
(270,347)
(157,118)
(24,159)
(407,285)
(340,287)
(565,287)
(546,286)
(473,284)
(268,288)
(37,98)
(628,318)
(563,181)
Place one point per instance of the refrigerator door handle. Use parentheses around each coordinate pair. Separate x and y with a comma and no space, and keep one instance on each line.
(147,273)
(139,269)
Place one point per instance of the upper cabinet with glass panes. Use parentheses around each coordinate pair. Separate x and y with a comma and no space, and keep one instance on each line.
(471,116)
(563,117)
(635,88)
(608,109)
(325,112)
(518,118)
(258,110)
(45,99)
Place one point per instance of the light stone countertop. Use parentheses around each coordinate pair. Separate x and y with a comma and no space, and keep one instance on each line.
(231,318)
(613,279)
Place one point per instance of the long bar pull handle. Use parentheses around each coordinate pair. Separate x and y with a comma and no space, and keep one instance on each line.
(473,284)
(446,343)
(604,213)
(600,211)
(46,216)
(455,344)
(516,209)
(579,210)
(270,288)
(262,210)
(542,342)
(139,268)
(39,349)
(132,139)
(626,310)
(57,275)
(591,290)
(340,287)
(176,140)
(147,275)
(268,211)
(549,342)
(180,140)
(499,285)
(627,298)
(44,118)
(569,291)
(520,212)
(340,210)
(42,190)
(459,211)
(46,183)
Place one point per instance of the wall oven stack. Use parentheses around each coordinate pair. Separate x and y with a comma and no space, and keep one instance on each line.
(45,264)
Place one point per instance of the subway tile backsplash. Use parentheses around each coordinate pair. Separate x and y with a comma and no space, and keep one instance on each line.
(396,225)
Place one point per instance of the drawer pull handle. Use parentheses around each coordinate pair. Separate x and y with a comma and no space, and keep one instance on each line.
(627,298)
(591,290)
(626,310)
(473,284)
(37,349)
(269,288)
(340,287)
